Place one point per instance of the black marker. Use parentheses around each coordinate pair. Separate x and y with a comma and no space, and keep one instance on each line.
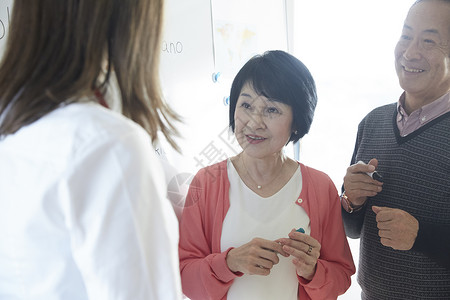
(375,175)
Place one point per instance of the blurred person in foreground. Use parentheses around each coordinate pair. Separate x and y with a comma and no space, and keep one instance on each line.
(83,213)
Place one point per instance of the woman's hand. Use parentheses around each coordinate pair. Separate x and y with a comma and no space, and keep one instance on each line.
(306,252)
(256,257)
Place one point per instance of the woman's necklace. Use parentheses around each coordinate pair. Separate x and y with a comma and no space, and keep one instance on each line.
(250,176)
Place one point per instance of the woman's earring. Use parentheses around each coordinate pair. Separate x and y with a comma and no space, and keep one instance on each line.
(296,132)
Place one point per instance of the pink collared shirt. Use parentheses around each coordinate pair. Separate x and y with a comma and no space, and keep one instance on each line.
(418,118)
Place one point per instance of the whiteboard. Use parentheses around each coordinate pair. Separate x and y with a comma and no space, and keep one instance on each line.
(5,14)
(206,40)
(242,29)
(186,50)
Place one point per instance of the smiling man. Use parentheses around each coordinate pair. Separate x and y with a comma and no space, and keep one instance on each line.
(404,221)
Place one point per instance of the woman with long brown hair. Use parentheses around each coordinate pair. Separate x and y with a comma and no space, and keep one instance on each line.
(82,207)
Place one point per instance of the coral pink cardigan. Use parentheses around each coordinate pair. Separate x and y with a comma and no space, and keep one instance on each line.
(204,272)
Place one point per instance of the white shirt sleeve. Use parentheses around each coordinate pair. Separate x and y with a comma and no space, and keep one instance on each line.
(123,231)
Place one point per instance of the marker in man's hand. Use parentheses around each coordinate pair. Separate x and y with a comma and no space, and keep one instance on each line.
(301,230)
(375,175)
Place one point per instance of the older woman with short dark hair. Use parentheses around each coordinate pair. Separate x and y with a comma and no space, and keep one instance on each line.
(260,225)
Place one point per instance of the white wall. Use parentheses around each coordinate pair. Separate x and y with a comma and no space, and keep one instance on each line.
(349,47)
